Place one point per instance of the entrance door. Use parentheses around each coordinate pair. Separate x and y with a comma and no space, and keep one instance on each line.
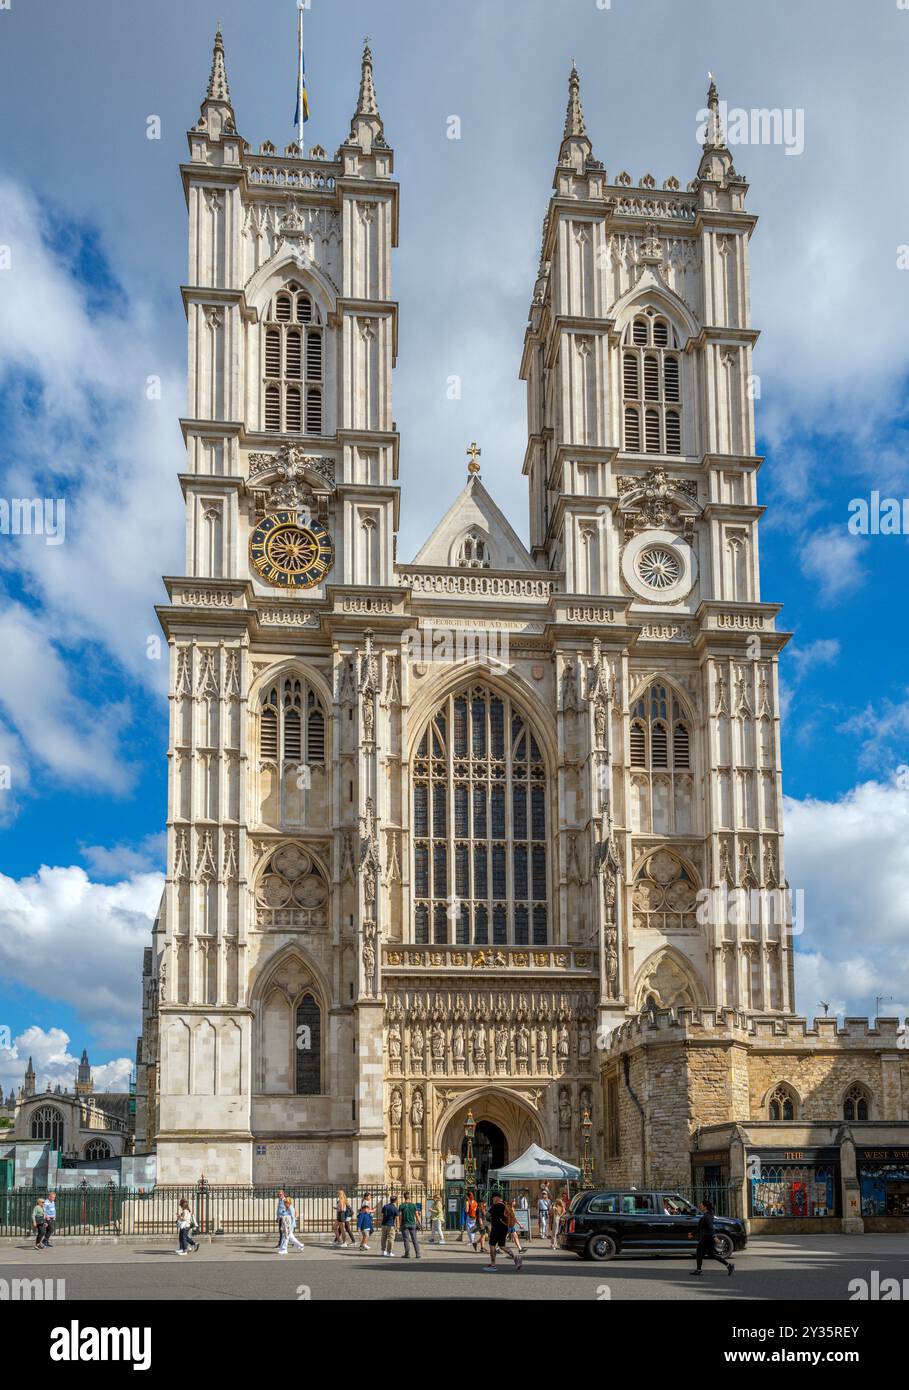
(490,1151)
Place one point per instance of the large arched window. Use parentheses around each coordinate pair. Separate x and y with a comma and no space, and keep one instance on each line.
(651,386)
(480,826)
(97,1148)
(293,360)
(856,1104)
(660,760)
(47,1126)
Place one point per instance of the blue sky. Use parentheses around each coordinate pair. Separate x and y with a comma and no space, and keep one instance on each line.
(94,216)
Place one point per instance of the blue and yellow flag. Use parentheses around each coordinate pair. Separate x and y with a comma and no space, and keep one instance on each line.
(302,97)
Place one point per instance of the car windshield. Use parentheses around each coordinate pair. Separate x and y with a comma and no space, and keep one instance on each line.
(674,1205)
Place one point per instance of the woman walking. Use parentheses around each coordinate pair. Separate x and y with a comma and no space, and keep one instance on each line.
(436,1218)
(342,1220)
(39,1221)
(288,1228)
(482,1228)
(556,1213)
(511,1221)
(186,1222)
(707,1242)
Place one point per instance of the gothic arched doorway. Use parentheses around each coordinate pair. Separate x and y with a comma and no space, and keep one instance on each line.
(490,1150)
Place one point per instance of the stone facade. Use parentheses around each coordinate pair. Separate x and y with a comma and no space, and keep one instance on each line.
(435,827)
(741,1094)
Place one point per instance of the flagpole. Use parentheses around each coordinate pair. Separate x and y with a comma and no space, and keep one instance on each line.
(300,79)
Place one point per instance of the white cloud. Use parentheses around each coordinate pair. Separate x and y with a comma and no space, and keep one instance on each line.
(883,732)
(79,426)
(123,860)
(54,1063)
(833,560)
(851,859)
(81,943)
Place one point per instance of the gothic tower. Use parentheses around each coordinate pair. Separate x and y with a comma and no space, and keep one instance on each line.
(84,1084)
(269,1027)
(642,476)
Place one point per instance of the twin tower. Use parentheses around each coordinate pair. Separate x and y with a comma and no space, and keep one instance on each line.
(415,874)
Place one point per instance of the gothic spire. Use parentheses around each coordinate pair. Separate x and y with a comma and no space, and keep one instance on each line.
(714,138)
(217,114)
(574,116)
(366,102)
(576,148)
(366,129)
(218,89)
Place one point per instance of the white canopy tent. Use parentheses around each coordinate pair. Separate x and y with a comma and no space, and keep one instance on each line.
(536,1165)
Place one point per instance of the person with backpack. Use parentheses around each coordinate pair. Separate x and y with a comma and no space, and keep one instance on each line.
(498,1236)
(707,1242)
(186,1224)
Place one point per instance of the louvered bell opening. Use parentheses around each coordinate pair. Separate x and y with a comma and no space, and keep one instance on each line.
(632,431)
(671,378)
(273,352)
(304,309)
(651,379)
(673,432)
(315,736)
(661,333)
(294,355)
(659,746)
(638,746)
(314,356)
(652,431)
(630,377)
(268,733)
(293,743)
(272,408)
(294,407)
(282,308)
(681,752)
(639,332)
(314,412)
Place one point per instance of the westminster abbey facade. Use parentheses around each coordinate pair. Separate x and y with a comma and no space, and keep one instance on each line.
(437,829)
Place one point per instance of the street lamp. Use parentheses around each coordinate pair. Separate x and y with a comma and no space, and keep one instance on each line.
(470,1165)
(586,1160)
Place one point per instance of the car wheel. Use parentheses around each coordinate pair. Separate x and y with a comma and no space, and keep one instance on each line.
(723,1246)
(601,1248)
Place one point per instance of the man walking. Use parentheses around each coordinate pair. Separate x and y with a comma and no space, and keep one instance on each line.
(707,1242)
(411,1224)
(543,1208)
(50,1217)
(389,1225)
(498,1235)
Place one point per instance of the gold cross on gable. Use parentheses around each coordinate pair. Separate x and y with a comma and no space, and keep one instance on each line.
(473,453)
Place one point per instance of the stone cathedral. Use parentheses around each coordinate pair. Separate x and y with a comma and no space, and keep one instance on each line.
(437,829)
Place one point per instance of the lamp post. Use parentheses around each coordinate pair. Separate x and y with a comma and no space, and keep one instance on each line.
(586,1160)
(470,1164)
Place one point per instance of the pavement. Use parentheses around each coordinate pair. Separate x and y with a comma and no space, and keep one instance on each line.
(789,1268)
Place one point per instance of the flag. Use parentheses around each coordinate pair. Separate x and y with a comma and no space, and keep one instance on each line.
(302,97)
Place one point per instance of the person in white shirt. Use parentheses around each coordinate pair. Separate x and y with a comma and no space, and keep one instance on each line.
(288,1226)
(185,1223)
(544,1206)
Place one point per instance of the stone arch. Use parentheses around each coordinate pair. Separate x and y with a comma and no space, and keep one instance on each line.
(513,1113)
(668,977)
(279,271)
(277,990)
(436,689)
(782,1086)
(661,677)
(650,292)
(856,1089)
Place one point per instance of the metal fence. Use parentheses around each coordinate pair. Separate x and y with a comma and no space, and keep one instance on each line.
(116,1211)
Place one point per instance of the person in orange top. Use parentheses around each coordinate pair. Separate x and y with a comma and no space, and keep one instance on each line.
(470,1218)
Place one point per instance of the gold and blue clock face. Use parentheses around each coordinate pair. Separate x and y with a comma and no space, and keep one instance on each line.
(291,551)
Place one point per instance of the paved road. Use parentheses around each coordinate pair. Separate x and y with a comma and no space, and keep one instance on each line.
(792,1268)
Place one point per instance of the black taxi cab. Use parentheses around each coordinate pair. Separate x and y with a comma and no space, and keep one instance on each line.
(600,1225)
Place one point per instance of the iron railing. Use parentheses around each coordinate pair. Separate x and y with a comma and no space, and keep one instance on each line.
(219,1210)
